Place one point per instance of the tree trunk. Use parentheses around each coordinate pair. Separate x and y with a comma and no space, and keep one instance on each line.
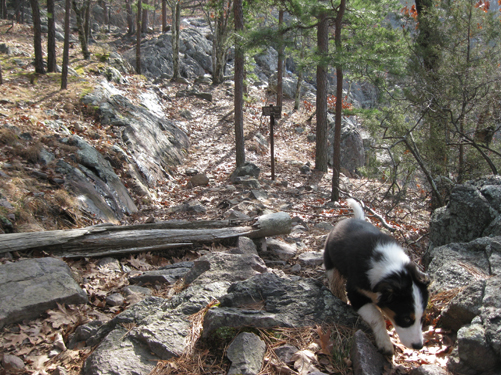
(66,48)
(176,26)
(3,9)
(219,48)
(51,37)
(87,6)
(336,169)
(37,27)
(280,64)
(130,19)
(112,240)
(144,24)
(138,37)
(297,95)
(1,78)
(239,84)
(82,36)
(164,16)
(321,104)
(105,12)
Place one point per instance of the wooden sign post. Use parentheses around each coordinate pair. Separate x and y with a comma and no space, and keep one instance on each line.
(273,112)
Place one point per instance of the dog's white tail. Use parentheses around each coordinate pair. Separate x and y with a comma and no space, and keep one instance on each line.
(358,211)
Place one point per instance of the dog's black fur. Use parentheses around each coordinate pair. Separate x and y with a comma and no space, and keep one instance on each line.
(378,273)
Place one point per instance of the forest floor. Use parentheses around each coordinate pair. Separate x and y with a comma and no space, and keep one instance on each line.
(27,100)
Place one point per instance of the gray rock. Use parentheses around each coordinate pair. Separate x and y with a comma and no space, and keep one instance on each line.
(12,363)
(246,353)
(282,250)
(312,258)
(195,50)
(160,276)
(126,358)
(113,75)
(247,182)
(285,352)
(45,156)
(246,246)
(352,147)
(238,215)
(199,180)
(365,357)
(267,300)
(115,299)
(136,289)
(468,213)
(474,350)
(192,207)
(247,169)
(83,333)
(30,287)
(464,307)
(456,265)
(154,144)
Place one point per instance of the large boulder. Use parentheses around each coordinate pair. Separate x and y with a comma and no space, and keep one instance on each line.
(30,287)
(352,145)
(468,266)
(473,211)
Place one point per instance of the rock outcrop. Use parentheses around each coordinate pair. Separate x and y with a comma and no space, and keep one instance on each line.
(468,265)
(250,295)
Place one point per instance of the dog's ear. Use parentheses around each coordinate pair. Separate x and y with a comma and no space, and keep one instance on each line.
(418,275)
(387,290)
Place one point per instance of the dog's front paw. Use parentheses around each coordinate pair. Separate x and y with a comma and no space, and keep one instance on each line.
(384,344)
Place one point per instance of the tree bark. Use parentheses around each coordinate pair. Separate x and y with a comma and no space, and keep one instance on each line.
(87,6)
(66,47)
(239,84)
(280,64)
(82,36)
(1,78)
(144,24)
(3,9)
(138,37)
(219,47)
(51,37)
(176,28)
(37,26)
(111,240)
(130,19)
(336,169)
(321,102)
(164,16)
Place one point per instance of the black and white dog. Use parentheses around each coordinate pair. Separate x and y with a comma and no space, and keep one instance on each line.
(380,279)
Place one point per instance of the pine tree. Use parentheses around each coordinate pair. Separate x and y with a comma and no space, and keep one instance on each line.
(51,37)
(37,29)
(66,47)
(239,83)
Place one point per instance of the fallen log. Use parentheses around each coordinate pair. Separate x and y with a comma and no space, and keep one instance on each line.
(103,240)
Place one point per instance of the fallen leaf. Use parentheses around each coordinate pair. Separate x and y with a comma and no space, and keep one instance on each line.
(304,361)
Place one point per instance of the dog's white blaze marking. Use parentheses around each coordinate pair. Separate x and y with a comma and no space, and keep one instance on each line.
(371,314)
(393,260)
(413,334)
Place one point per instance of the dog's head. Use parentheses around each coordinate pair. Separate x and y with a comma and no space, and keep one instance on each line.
(403,297)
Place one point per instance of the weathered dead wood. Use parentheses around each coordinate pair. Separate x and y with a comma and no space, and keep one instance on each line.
(111,240)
